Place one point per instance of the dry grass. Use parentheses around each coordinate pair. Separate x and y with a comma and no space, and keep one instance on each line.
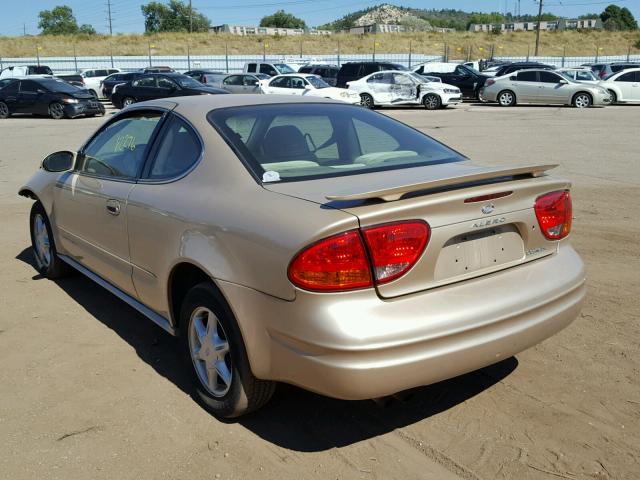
(574,43)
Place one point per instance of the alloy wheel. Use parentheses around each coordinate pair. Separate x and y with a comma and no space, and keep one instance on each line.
(56,110)
(42,244)
(367,101)
(210,353)
(506,99)
(128,101)
(4,110)
(582,101)
(431,102)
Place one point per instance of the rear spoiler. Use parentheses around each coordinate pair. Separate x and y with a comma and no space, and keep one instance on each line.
(395,193)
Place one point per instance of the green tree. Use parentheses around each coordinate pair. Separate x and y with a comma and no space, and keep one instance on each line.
(60,21)
(282,19)
(174,17)
(616,18)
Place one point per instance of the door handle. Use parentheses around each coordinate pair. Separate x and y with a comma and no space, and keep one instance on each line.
(113,207)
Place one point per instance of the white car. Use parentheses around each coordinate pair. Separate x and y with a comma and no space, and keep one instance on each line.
(93,77)
(623,86)
(582,75)
(308,85)
(392,87)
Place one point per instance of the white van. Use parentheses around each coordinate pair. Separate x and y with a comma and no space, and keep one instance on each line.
(93,77)
(25,70)
(435,67)
(271,69)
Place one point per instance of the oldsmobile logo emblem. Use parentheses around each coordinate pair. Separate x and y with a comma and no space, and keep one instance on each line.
(487,209)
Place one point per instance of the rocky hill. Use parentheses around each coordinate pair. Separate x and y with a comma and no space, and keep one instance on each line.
(383,14)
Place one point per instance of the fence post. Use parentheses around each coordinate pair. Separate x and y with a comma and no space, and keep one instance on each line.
(264,51)
(374,49)
(338,52)
(0,63)
(188,56)
(528,51)
(300,48)
(410,48)
(75,58)
(564,54)
(38,53)
(629,53)
(226,56)
(597,51)
(493,48)
(149,44)
(468,53)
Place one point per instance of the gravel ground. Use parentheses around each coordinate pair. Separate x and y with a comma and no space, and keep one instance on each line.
(90,389)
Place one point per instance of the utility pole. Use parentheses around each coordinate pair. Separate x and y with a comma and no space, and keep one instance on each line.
(110,31)
(538,29)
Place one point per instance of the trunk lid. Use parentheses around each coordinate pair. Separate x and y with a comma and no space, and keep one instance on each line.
(468,238)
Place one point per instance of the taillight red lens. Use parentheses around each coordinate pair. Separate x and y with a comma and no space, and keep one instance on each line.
(490,82)
(554,213)
(395,247)
(333,264)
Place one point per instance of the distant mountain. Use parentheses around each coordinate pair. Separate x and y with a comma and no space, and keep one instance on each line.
(448,18)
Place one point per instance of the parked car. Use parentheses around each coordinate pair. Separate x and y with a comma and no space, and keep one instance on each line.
(308,241)
(6,81)
(598,69)
(73,79)
(47,96)
(213,78)
(93,77)
(583,75)
(542,86)
(159,85)
(351,71)
(243,82)
(25,71)
(271,69)
(623,86)
(516,66)
(392,87)
(158,69)
(615,67)
(329,73)
(468,80)
(308,85)
(115,79)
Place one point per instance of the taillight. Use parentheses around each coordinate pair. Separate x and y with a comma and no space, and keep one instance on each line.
(333,264)
(395,248)
(343,262)
(489,82)
(554,213)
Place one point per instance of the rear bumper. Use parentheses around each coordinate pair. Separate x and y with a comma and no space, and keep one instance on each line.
(356,346)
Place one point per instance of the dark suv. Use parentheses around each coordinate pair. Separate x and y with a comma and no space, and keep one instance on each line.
(329,73)
(515,66)
(356,70)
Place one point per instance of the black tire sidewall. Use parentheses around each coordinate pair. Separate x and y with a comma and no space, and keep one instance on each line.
(439,101)
(51,111)
(234,402)
(56,268)
(8,111)
(370,98)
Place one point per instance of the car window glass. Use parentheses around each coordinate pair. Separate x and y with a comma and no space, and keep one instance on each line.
(377,78)
(118,151)
(251,67)
(166,83)
(583,76)
(316,130)
(145,82)
(548,77)
(305,69)
(332,73)
(233,80)
(28,86)
(280,82)
(11,88)
(527,76)
(349,69)
(101,73)
(249,81)
(400,79)
(297,82)
(179,149)
(626,77)
(89,74)
(372,139)
(111,70)
(267,69)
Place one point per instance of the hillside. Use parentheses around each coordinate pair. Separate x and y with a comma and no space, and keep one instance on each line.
(429,43)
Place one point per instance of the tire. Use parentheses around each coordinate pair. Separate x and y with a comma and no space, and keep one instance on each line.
(43,246)
(126,101)
(367,101)
(614,98)
(56,111)
(582,100)
(4,111)
(431,101)
(506,98)
(93,92)
(207,323)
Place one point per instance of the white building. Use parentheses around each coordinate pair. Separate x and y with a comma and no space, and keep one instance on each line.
(251,30)
(562,24)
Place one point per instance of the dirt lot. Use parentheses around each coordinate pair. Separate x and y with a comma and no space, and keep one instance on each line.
(90,389)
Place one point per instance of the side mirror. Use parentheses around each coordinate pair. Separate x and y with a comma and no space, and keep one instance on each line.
(307,87)
(563,82)
(59,161)
(513,78)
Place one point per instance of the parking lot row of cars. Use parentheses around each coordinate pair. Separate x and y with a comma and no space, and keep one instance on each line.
(433,85)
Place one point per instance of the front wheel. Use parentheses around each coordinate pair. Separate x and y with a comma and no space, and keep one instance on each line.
(128,101)
(582,100)
(432,101)
(217,355)
(366,100)
(614,97)
(4,111)
(506,99)
(56,111)
(44,248)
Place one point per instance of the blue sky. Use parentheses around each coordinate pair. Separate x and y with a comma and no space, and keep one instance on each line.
(127,17)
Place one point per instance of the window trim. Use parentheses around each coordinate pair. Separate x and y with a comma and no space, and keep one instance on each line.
(152,140)
(153,153)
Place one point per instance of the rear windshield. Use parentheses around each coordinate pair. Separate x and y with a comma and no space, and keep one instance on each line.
(289,142)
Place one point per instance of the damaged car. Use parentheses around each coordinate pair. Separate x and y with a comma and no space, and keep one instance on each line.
(404,88)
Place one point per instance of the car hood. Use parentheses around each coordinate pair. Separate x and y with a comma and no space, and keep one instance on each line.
(83,96)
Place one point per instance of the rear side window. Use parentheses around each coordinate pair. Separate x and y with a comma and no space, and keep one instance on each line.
(267,69)
(251,67)
(527,76)
(306,141)
(625,77)
(145,82)
(177,152)
(28,86)
(350,69)
(118,151)
(306,70)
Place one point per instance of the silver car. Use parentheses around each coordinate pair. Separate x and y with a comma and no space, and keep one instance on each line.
(243,82)
(542,86)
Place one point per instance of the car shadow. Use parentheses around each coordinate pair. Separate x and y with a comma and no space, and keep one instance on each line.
(294,419)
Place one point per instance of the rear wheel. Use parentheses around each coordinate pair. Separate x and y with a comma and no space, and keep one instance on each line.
(506,98)
(93,92)
(432,101)
(128,101)
(4,110)
(582,100)
(366,100)
(217,355)
(56,111)
(44,249)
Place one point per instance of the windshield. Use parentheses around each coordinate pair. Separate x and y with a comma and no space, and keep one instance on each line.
(187,82)
(420,78)
(284,68)
(289,142)
(317,82)
(470,69)
(60,86)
